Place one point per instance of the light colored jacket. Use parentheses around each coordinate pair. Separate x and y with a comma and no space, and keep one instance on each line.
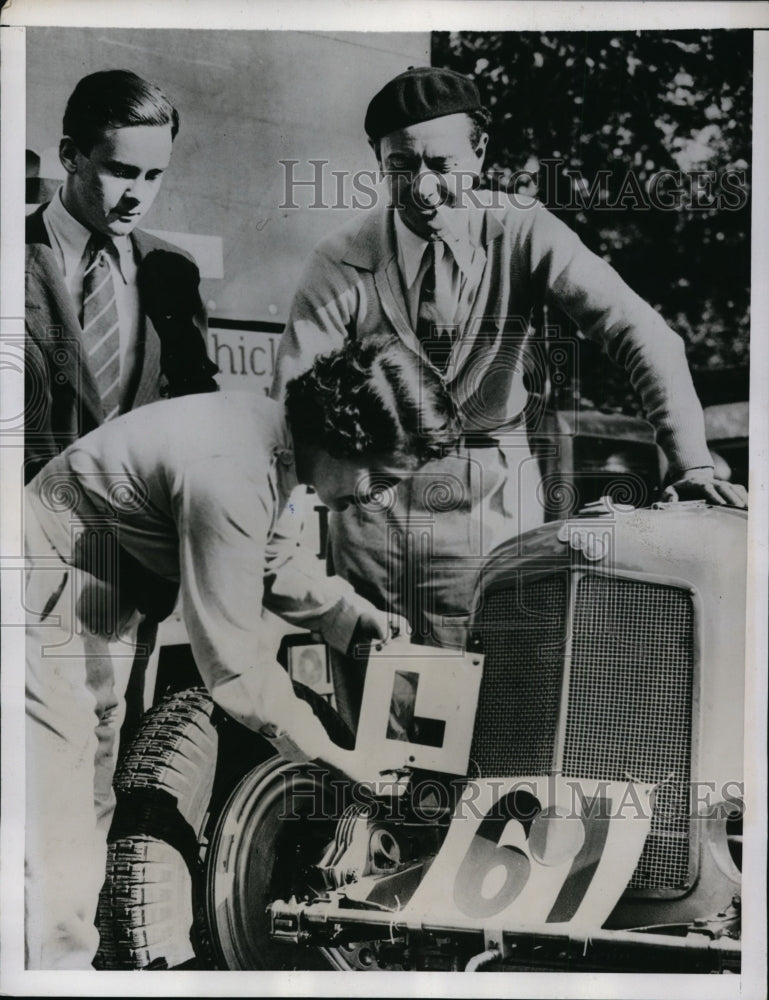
(194,489)
(351,288)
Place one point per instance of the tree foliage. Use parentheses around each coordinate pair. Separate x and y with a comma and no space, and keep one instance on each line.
(633,104)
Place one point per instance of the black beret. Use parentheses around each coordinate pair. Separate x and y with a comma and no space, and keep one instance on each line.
(418,95)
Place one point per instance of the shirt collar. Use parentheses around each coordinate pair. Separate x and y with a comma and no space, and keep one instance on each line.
(72,238)
(412,247)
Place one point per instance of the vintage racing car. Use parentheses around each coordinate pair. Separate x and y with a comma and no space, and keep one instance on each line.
(564,793)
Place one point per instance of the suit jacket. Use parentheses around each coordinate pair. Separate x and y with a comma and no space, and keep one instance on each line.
(62,400)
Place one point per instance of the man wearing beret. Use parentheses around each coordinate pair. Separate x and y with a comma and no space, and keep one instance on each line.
(456,274)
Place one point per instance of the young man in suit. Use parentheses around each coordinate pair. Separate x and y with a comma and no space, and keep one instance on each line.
(455,276)
(114,318)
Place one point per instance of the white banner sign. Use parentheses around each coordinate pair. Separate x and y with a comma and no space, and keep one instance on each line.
(536,850)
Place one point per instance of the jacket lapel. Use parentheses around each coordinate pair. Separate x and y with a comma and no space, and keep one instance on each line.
(144,386)
(373,249)
(52,322)
(472,315)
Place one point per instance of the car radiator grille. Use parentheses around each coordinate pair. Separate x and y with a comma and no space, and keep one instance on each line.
(523,637)
(628,696)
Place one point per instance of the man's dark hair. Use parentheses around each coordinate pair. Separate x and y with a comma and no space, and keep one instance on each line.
(373,402)
(114,98)
(479,123)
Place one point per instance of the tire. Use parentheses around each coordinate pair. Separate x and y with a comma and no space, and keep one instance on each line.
(171,785)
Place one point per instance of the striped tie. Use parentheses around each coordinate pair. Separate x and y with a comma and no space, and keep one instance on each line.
(101,329)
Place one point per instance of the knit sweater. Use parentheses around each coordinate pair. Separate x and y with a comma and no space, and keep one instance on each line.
(351,287)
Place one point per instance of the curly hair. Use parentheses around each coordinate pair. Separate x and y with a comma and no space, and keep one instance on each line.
(373,402)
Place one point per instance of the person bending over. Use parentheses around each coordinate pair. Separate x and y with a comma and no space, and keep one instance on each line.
(194,492)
